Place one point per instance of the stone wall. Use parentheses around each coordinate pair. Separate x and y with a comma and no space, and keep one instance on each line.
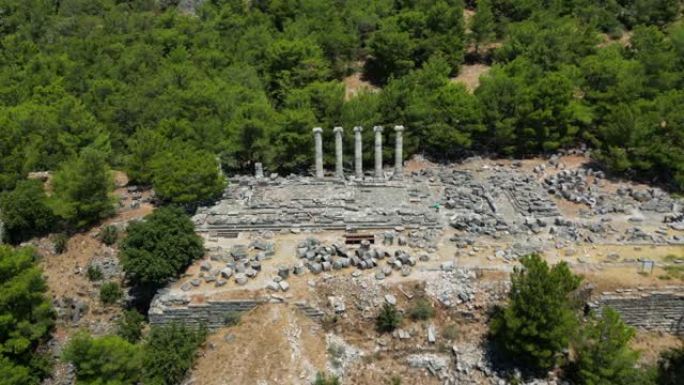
(166,309)
(653,310)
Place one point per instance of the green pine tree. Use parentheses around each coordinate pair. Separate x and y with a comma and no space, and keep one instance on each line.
(603,356)
(540,318)
(482,26)
(82,189)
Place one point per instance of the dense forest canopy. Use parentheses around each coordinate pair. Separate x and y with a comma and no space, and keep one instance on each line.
(151,87)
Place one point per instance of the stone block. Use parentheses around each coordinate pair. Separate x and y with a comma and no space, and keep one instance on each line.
(241,279)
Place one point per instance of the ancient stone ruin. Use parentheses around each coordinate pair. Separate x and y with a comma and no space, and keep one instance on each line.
(272,236)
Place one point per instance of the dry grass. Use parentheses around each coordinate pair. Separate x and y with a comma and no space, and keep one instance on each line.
(354,83)
(65,273)
(625,277)
(624,40)
(470,74)
(652,344)
(271,345)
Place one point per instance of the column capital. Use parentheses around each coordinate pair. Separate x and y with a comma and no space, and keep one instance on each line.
(377,128)
(338,129)
(358,129)
(398,128)
(317,130)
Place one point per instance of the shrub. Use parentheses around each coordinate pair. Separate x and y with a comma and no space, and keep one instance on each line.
(160,247)
(388,319)
(94,273)
(450,332)
(109,235)
(60,242)
(170,352)
(671,367)
(106,360)
(110,293)
(232,318)
(25,212)
(323,379)
(421,310)
(129,327)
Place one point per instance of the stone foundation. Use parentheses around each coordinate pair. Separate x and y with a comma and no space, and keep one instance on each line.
(166,309)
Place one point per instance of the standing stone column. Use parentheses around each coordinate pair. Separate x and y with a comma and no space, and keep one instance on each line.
(378,152)
(318,143)
(399,152)
(339,167)
(358,152)
(258,170)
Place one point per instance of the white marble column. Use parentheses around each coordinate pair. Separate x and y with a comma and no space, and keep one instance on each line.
(399,152)
(258,170)
(339,166)
(378,152)
(318,143)
(358,152)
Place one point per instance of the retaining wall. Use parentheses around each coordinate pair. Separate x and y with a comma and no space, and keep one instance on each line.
(653,310)
(212,313)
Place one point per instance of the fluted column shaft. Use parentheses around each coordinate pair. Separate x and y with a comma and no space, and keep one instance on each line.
(358,152)
(318,145)
(399,152)
(339,167)
(378,152)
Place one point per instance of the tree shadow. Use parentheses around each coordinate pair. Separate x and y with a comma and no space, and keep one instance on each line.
(141,298)
(374,73)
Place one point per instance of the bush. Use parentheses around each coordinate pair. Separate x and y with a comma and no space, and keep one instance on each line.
(94,273)
(129,327)
(109,235)
(60,243)
(540,318)
(671,367)
(421,310)
(232,318)
(25,213)
(110,293)
(170,352)
(450,332)
(323,379)
(106,360)
(388,319)
(160,247)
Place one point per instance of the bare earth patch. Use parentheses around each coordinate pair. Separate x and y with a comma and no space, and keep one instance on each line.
(624,40)
(354,84)
(271,345)
(470,74)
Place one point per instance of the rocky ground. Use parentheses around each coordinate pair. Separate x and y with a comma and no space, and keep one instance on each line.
(319,295)
(322,295)
(75,297)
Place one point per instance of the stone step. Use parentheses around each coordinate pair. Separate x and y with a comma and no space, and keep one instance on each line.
(314,313)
